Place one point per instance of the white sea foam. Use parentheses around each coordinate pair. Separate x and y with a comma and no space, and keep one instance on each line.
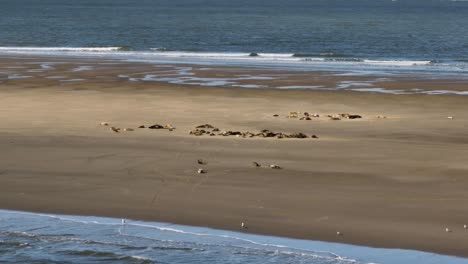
(140,258)
(68,49)
(397,62)
(216,56)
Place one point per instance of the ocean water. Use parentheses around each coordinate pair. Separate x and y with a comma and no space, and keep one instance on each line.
(402,35)
(45,238)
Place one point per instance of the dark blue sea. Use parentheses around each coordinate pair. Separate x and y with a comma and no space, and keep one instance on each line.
(406,35)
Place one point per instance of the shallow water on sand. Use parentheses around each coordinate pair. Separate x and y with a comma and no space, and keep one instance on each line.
(45,238)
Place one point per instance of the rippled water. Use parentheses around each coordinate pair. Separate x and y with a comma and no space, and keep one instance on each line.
(421,29)
(429,35)
(45,238)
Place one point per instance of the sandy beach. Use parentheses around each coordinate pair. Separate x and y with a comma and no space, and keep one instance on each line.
(396,182)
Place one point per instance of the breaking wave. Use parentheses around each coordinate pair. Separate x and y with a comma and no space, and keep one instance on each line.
(314,61)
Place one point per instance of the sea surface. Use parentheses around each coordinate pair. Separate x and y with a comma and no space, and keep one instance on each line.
(46,238)
(391,35)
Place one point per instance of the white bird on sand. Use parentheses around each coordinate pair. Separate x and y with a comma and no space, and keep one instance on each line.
(465,226)
(339,233)
(243,225)
(447,230)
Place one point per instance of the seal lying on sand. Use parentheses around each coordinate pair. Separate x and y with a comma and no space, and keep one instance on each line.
(274,166)
(115,129)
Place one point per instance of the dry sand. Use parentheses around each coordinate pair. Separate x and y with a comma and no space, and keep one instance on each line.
(395,182)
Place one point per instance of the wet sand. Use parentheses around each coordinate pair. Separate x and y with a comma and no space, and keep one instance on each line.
(395,182)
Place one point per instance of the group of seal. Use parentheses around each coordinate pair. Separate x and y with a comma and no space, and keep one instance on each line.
(307,116)
(201,162)
(116,129)
(210,130)
(158,126)
(344,116)
(155,126)
(271,166)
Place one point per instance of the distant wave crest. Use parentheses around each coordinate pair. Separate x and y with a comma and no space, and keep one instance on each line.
(326,60)
(68,49)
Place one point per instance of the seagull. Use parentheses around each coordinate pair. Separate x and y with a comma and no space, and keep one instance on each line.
(123,221)
(256,164)
(202,162)
(243,225)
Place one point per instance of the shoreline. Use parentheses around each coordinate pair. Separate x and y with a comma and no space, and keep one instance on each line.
(396,182)
(421,68)
(346,252)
